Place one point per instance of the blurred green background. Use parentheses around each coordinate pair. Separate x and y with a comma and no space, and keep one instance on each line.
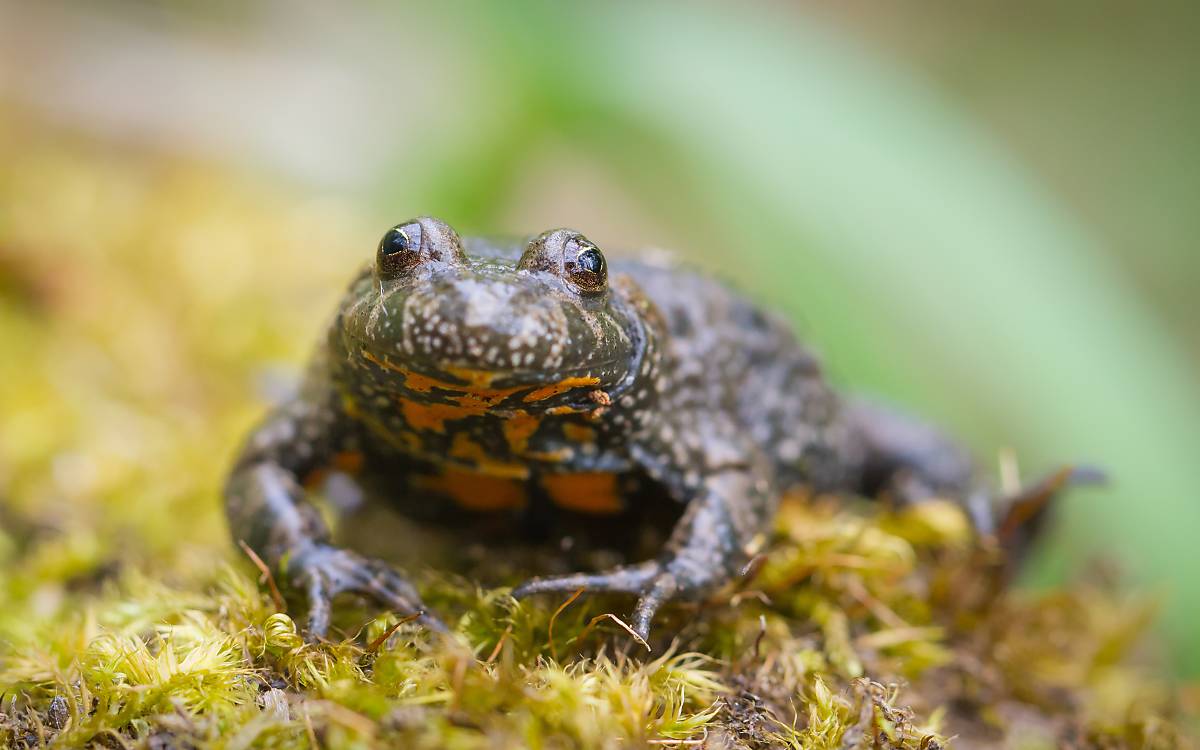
(986,212)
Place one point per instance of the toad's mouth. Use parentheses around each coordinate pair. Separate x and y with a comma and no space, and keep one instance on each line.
(493,386)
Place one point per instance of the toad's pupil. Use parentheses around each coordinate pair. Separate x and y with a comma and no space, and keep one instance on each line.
(591,261)
(402,239)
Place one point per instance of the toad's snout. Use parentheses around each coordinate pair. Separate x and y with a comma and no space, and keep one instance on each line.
(486,325)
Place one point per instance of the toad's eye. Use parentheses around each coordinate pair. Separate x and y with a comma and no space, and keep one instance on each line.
(571,257)
(412,243)
(585,265)
(400,248)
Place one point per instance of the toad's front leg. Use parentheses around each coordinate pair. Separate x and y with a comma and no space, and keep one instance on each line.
(708,548)
(268,510)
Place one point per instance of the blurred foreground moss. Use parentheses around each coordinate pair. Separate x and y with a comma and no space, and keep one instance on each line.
(142,306)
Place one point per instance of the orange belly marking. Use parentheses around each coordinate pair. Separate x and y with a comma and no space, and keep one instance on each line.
(518,429)
(578,433)
(555,389)
(434,416)
(347,462)
(477,383)
(469,451)
(477,492)
(585,493)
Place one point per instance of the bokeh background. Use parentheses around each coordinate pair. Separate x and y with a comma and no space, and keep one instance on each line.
(986,212)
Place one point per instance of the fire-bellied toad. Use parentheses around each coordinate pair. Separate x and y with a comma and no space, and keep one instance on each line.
(534,379)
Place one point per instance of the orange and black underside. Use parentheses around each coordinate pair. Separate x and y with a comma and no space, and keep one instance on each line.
(590,493)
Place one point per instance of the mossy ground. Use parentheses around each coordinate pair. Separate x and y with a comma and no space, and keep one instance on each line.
(149,308)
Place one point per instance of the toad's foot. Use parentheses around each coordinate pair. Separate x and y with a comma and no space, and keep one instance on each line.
(708,548)
(654,583)
(322,572)
(1025,512)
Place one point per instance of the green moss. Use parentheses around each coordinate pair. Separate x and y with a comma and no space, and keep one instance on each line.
(129,620)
